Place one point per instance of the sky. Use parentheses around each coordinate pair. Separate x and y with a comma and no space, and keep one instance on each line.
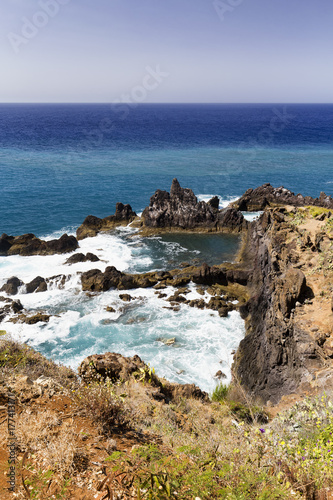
(209,51)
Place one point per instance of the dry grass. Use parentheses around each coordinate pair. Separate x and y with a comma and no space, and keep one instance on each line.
(51,441)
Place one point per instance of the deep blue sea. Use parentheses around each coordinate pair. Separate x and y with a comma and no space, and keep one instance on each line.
(60,163)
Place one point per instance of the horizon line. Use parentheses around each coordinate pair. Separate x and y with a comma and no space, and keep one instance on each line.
(163,103)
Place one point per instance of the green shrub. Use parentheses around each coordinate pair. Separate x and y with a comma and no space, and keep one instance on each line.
(220,392)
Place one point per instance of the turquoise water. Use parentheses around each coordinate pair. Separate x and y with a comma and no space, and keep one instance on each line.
(59,163)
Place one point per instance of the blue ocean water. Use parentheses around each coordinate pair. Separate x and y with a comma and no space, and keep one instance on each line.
(67,161)
(60,163)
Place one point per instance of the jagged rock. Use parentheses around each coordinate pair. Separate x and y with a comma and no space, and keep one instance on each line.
(29,244)
(92,225)
(80,257)
(214,202)
(12,306)
(220,375)
(12,285)
(36,285)
(181,209)
(259,198)
(97,281)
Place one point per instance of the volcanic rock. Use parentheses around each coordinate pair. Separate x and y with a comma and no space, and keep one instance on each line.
(181,209)
(36,285)
(29,244)
(11,286)
(92,225)
(80,257)
(265,195)
(277,353)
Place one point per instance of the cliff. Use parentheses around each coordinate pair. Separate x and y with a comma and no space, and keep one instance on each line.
(287,347)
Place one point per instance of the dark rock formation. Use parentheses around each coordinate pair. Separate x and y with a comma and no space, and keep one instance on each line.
(31,320)
(97,281)
(117,367)
(214,202)
(181,209)
(265,195)
(11,286)
(11,306)
(36,285)
(277,355)
(92,225)
(80,257)
(29,244)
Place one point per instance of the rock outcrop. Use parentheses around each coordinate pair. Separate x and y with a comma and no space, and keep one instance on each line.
(278,355)
(12,285)
(92,225)
(116,367)
(29,244)
(266,195)
(181,209)
(80,257)
(97,281)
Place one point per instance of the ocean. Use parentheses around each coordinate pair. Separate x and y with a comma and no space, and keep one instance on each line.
(60,163)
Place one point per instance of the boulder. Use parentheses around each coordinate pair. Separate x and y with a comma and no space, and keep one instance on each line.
(80,257)
(36,285)
(11,286)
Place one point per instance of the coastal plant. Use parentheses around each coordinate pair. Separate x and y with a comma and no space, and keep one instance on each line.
(297,218)
(146,374)
(100,402)
(17,358)
(220,392)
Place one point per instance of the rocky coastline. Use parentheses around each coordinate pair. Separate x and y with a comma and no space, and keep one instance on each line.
(275,279)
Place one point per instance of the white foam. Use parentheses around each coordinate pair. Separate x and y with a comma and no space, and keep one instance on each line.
(80,324)
(251,216)
(224,202)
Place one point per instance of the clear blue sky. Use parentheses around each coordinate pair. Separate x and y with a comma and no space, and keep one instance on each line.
(99,50)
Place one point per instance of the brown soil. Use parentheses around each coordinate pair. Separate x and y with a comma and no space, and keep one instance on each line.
(86,484)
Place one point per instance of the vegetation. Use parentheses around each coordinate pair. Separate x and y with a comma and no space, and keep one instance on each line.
(224,449)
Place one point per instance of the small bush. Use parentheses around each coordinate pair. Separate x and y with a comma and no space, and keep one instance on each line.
(220,392)
(99,401)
